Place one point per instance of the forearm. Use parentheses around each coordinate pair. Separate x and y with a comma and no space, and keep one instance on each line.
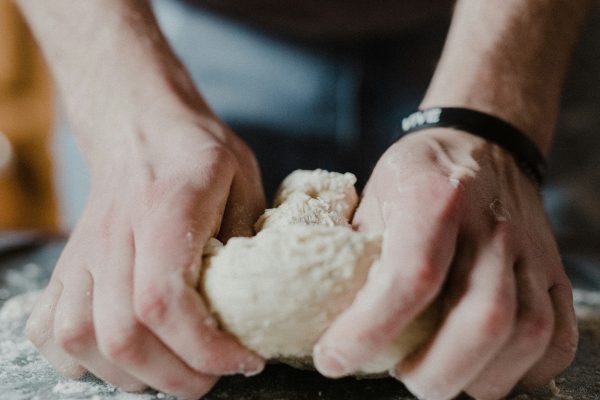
(508,58)
(110,59)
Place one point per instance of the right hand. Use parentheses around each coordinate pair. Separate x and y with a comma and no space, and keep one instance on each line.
(462,223)
(122,301)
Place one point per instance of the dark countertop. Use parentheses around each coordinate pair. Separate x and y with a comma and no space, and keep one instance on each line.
(24,375)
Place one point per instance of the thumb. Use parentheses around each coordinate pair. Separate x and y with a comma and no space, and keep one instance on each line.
(246,202)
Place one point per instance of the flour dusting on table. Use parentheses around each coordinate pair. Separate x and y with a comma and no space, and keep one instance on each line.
(25,375)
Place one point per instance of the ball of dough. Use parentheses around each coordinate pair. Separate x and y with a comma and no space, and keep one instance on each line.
(300,209)
(334,188)
(278,291)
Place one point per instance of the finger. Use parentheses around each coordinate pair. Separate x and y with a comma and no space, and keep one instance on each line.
(244,205)
(39,330)
(129,345)
(167,302)
(368,217)
(417,250)
(533,330)
(563,345)
(472,332)
(74,331)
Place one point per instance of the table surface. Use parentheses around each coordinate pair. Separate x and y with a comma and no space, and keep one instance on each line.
(25,375)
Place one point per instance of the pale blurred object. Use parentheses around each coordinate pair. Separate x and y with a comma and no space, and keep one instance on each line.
(27,199)
(6,154)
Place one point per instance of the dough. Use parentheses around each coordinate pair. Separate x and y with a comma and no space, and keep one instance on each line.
(301,209)
(278,291)
(333,188)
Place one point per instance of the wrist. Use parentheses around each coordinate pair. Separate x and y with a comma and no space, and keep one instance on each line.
(495,130)
(165,150)
(128,92)
(535,118)
(508,59)
(458,156)
(113,67)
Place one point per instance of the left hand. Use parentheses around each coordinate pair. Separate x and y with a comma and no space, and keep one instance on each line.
(463,223)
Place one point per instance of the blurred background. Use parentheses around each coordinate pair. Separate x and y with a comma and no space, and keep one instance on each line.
(28,198)
(348,96)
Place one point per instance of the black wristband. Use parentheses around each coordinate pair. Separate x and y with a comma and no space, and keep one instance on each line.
(526,154)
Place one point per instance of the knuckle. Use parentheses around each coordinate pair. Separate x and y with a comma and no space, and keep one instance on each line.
(220,155)
(379,333)
(425,279)
(496,319)
(151,303)
(496,324)
(537,328)
(73,337)
(207,359)
(121,345)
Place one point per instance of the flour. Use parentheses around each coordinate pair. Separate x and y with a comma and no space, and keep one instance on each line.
(25,375)
(24,279)
(18,307)
(71,387)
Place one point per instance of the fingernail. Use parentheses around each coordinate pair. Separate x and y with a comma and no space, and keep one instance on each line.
(329,362)
(252,366)
(254,372)
(395,373)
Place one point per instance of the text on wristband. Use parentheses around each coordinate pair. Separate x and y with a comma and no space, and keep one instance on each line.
(429,116)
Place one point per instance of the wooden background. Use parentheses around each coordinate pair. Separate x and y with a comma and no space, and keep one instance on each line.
(27,198)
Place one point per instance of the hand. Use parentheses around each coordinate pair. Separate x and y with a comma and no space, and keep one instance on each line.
(462,222)
(122,302)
